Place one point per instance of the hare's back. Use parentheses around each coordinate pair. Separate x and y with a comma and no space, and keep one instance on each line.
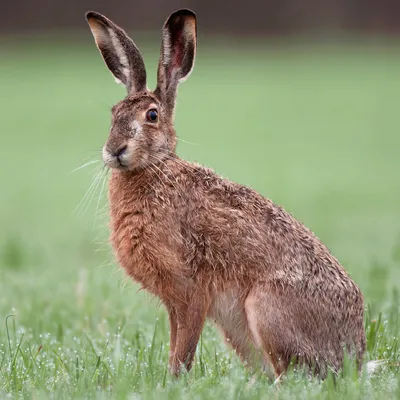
(246,233)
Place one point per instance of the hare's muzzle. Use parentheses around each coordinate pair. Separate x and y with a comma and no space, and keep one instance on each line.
(115,157)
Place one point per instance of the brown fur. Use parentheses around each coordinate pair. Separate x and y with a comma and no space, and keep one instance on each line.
(211,248)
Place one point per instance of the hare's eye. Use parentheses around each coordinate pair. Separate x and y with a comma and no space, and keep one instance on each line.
(152,115)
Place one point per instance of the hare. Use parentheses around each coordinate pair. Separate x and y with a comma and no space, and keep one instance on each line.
(208,247)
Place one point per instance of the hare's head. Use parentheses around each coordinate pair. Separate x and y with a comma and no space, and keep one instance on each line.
(142,131)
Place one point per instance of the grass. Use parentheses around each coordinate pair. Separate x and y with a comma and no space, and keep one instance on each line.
(315,128)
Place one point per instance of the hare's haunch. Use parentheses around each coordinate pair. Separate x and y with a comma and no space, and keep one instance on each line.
(208,247)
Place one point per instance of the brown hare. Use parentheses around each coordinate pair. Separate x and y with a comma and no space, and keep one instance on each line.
(208,247)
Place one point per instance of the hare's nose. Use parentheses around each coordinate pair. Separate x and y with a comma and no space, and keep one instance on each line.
(118,153)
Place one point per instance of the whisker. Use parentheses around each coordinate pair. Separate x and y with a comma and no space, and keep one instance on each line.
(155,168)
(86,164)
(86,200)
(96,171)
(91,194)
(150,166)
(161,161)
(177,186)
(184,141)
(187,166)
(104,179)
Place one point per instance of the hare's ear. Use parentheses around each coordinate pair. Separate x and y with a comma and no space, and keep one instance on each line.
(119,52)
(178,51)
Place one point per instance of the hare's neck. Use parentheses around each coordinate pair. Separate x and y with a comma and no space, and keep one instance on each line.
(125,187)
(129,189)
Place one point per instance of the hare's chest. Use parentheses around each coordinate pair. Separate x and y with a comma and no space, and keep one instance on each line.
(130,222)
(144,232)
(128,233)
(143,246)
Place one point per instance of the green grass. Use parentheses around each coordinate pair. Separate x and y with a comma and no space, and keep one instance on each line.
(315,128)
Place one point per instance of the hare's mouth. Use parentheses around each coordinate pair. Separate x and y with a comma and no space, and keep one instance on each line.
(116,158)
(116,163)
(121,165)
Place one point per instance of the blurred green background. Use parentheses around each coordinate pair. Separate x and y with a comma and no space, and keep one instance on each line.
(312,124)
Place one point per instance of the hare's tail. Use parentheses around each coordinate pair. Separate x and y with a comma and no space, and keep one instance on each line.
(374,366)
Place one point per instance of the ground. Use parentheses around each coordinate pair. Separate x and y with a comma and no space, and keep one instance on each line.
(315,127)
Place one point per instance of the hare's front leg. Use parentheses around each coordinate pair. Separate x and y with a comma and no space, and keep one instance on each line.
(190,321)
(173,326)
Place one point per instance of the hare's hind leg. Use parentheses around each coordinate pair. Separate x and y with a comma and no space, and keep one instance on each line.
(270,330)
(228,313)
(237,336)
(250,355)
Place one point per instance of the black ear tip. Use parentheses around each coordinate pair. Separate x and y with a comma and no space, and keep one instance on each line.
(184,12)
(89,15)
(93,15)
